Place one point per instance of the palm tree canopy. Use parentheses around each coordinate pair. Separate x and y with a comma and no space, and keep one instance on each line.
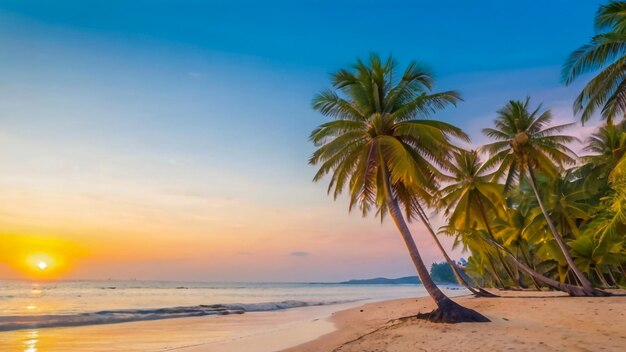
(470,191)
(607,147)
(525,139)
(607,51)
(379,129)
(566,199)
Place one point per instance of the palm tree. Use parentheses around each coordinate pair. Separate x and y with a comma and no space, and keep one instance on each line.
(419,212)
(608,147)
(568,202)
(525,143)
(471,195)
(472,236)
(380,146)
(606,50)
(512,229)
(602,243)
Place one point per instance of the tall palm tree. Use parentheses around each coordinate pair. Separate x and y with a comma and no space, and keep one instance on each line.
(380,146)
(606,51)
(524,144)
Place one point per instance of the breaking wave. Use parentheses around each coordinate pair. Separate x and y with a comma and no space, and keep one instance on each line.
(8,323)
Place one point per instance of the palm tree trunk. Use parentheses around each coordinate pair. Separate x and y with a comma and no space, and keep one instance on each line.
(610,271)
(518,276)
(494,271)
(570,261)
(455,270)
(569,289)
(521,248)
(484,216)
(601,277)
(447,310)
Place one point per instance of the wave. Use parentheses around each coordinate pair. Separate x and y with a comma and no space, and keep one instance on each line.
(9,323)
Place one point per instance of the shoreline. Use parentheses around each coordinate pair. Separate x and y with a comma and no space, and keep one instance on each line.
(521,321)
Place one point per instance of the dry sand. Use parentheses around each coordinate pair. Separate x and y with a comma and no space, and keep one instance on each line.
(521,321)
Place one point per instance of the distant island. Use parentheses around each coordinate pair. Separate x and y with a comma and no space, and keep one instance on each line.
(440,272)
(384,281)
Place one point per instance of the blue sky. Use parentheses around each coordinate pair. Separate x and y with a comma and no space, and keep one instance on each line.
(198,112)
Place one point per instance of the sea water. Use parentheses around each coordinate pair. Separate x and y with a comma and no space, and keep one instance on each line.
(67,308)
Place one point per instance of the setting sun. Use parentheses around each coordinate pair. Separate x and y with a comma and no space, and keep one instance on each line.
(38,257)
(43,265)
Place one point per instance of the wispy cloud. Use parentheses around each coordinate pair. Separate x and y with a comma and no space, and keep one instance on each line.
(299,254)
(195,75)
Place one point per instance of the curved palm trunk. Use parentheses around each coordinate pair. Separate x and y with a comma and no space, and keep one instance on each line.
(569,289)
(481,207)
(559,240)
(601,277)
(612,277)
(455,270)
(494,271)
(447,310)
(521,248)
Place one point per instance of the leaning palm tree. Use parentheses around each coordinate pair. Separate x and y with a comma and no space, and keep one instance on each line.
(382,149)
(456,270)
(606,51)
(525,144)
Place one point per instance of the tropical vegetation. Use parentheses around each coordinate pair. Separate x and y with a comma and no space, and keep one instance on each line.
(531,212)
(382,146)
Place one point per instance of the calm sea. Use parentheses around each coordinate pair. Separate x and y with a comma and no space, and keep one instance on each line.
(56,309)
(87,302)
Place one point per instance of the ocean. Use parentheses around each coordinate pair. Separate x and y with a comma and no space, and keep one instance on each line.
(63,309)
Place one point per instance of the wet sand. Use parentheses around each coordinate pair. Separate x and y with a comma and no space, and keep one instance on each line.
(254,332)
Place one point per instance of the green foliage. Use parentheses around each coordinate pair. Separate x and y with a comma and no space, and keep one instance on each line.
(533,199)
(605,51)
(525,140)
(441,272)
(585,207)
(380,128)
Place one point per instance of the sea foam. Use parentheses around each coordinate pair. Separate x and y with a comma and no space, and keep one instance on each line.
(8,323)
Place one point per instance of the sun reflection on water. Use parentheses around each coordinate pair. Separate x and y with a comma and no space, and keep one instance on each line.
(32,337)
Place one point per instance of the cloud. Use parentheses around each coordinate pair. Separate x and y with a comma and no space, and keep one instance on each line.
(195,75)
(299,254)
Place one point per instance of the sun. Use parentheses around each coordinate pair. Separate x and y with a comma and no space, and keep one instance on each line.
(42,264)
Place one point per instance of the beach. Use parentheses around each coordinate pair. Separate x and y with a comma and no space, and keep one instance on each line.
(520,321)
(138,316)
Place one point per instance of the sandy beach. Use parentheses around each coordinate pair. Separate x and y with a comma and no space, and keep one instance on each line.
(521,321)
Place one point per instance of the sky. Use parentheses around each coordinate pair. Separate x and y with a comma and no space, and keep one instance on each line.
(168,140)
